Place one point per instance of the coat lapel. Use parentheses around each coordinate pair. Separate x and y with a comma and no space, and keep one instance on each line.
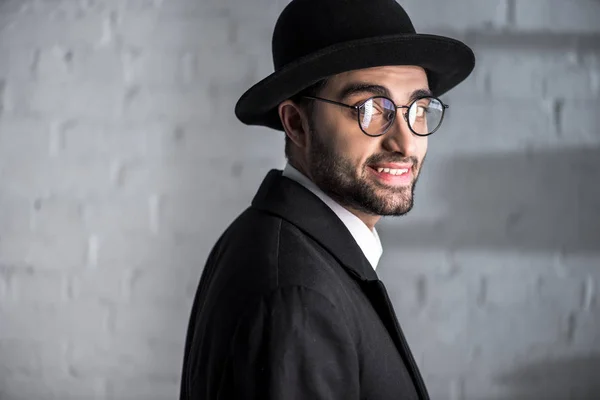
(378,296)
(291,201)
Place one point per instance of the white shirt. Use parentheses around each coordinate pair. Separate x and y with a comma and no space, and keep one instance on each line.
(367,239)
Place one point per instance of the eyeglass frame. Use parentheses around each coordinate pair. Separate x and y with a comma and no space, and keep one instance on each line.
(396,107)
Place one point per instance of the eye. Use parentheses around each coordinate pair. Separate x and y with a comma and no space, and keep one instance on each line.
(378,110)
(369,111)
(418,113)
(372,107)
(421,111)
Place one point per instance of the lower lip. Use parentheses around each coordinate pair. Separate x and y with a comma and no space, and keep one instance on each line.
(399,180)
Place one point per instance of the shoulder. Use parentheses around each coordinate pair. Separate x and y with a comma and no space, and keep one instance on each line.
(269,242)
(261,252)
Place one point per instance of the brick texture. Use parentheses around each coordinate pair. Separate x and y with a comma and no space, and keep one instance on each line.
(121,162)
(579,17)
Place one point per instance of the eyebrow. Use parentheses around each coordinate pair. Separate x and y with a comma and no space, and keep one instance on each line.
(363,87)
(419,93)
(377,90)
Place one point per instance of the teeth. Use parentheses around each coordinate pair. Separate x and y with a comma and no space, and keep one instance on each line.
(393,171)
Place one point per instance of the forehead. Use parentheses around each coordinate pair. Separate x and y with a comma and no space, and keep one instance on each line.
(401,80)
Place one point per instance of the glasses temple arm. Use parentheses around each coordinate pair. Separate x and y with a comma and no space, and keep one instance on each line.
(332,102)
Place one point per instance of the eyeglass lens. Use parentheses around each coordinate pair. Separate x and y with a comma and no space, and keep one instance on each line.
(377,114)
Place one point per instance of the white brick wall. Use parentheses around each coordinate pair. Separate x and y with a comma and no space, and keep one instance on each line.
(114,115)
(577,17)
(428,15)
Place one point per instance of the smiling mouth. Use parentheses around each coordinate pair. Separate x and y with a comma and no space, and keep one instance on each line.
(391,171)
(393,174)
(392,168)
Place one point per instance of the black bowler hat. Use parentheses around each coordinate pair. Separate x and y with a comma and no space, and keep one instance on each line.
(314,39)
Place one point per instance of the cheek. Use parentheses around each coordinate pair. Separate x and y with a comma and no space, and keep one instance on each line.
(348,140)
(345,138)
(422,147)
(360,148)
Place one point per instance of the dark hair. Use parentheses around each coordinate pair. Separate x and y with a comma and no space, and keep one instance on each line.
(306,104)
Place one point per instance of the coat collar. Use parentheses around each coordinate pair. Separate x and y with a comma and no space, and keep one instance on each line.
(367,239)
(293,202)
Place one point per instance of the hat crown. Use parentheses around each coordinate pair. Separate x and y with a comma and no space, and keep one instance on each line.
(306,26)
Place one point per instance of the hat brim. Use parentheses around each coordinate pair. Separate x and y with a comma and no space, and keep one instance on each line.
(447,61)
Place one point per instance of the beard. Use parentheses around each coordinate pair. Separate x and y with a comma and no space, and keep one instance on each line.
(338,177)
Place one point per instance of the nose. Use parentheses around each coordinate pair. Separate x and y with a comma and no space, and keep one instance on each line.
(399,138)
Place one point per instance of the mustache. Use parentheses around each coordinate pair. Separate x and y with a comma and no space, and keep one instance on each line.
(391,158)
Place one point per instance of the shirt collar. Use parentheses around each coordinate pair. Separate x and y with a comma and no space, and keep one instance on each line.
(367,239)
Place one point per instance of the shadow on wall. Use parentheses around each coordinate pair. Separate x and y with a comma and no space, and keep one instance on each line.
(7,6)
(526,201)
(564,379)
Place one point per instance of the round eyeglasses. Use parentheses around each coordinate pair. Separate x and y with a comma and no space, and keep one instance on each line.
(377,114)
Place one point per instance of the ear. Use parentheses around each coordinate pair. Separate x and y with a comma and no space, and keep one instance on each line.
(295,122)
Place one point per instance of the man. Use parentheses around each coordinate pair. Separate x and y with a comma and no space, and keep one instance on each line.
(289,305)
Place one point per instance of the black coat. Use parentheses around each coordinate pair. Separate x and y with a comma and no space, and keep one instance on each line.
(288,307)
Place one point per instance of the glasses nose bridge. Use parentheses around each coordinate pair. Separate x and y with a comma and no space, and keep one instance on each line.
(397,122)
(400,109)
